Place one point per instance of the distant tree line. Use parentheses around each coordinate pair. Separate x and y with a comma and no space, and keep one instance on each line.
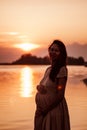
(31,60)
(76,61)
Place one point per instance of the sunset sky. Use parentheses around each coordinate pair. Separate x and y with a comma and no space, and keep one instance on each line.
(26,25)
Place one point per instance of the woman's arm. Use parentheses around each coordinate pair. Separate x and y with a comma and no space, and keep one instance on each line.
(61,87)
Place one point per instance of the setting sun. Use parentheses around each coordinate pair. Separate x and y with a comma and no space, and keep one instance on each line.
(26,46)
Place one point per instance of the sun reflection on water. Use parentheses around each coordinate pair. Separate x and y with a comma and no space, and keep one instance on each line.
(26,82)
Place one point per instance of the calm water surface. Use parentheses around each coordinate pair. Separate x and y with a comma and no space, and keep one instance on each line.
(17,93)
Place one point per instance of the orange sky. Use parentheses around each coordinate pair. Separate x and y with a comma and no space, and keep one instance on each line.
(41,21)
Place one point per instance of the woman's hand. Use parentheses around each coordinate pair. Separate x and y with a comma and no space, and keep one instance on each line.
(41,89)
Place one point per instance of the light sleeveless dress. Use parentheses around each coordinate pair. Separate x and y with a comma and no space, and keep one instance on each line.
(57,118)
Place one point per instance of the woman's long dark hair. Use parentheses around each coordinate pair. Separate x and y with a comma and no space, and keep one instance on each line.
(61,59)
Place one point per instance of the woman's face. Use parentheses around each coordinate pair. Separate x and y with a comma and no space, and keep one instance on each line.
(54,52)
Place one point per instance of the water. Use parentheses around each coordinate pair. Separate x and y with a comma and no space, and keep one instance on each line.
(17,93)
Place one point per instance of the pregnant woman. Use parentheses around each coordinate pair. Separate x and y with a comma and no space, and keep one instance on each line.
(51,107)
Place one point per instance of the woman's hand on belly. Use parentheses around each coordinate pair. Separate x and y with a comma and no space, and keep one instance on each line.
(41,89)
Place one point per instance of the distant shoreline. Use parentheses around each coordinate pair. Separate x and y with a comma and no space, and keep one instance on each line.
(29,59)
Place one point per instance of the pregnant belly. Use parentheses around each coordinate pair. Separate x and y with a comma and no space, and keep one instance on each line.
(44,100)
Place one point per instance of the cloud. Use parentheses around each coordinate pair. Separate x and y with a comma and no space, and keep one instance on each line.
(9,39)
(77,50)
(9,54)
(40,52)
